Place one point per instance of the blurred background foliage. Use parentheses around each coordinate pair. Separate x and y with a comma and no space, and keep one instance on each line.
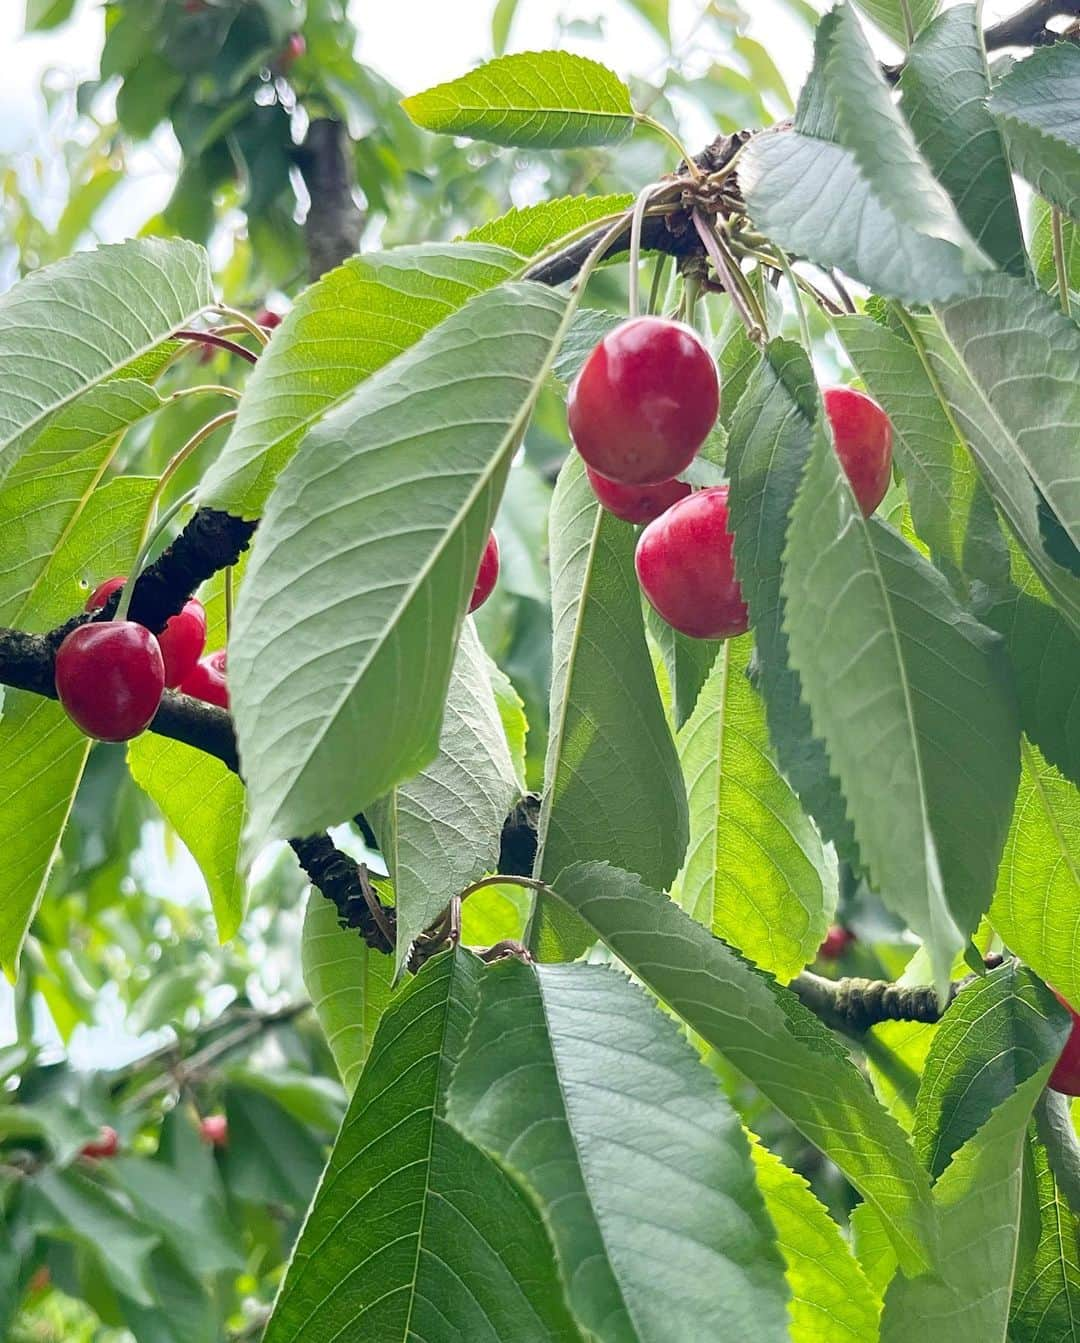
(128,1013)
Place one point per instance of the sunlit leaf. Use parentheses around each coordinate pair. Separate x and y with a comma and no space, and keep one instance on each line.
(532,228)
(574,1080)
(362,567)
(539,99)
(767,1034)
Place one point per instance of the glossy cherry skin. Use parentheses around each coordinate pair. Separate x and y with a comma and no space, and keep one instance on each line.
(837,940)
(214,1130)
(103,592)
(268,318)
(109,677)
(644,401)
(1066,1075)
(863,435)
(487,574)
(636,503)
(686,569)
(106,1144)
(206,680)
(181,641)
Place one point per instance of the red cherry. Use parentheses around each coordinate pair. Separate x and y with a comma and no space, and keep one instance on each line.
(486,574)
(862,433)
(1066,1075)
(644,401)
(268,318)
(109,678)
(636,503)
(837,940)
(102,593)
(206,680)
(182,642)
(214,1130)
(294,49)
(686,570)
(106,1144)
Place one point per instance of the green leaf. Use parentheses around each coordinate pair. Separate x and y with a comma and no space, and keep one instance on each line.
(188,1216)
(71,1206)
(737,355)
(348,983)
(588,327)
(536,99)
(45,495)
(996,453)
(341,330)
(848,186)
(1037,107)
(42,753)
(502,19)
(43,14)
(533,228)
(1042,246)
(574,1080)
(362,567)
(767,1034)
(607,721)
(1046,1298)
(1022,353)
(1044,650)
(943,93)
(889,16)
(872,1247)
(512,716)
(687,662)
(415,1233)
(978,1200)
(439,831)
(832,1301)
(1037,902)
(203,801)
(894,669)
(938,472)
(999,1031)
(143,290)
(756,872)
(270,1156)
(767,453)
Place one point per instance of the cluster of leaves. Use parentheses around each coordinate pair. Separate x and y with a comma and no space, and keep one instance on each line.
(538,1149)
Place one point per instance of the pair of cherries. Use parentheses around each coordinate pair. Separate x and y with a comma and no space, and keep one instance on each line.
(110,675)
(643,404)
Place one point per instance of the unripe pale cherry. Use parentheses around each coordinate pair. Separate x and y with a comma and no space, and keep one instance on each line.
(110,676)
(636,503)
(686,569)
(862,433)
(207,680)
(181,641)
(487,574)
(106,1144)
(214,1130)
(1066,1075)
(644,401)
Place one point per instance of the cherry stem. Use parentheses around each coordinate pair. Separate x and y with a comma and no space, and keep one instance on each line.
(1057,233)
(643,119)
(531,882)
(219,342)
(796,297)
(174,464)
(228,601)
(727,268)
(243,320)
(218,389)
(635,247)
(658,275)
